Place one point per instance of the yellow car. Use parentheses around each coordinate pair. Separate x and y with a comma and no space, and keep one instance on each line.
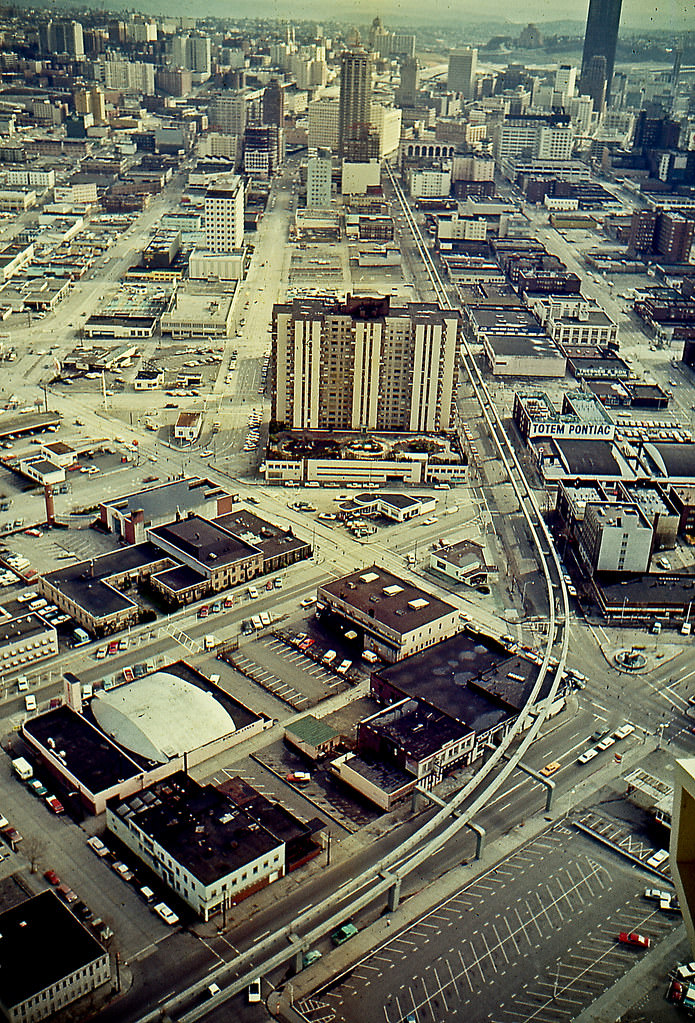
(551,768)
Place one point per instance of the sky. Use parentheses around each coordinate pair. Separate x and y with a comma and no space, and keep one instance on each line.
(677,15)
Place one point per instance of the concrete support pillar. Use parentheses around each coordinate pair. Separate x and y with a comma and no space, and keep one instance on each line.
(394,895)
(298,961)
(481,835)
(416,802)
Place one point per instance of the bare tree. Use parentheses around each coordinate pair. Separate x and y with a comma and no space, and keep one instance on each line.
(34,848)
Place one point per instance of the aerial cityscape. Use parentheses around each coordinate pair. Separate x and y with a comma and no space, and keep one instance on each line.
(347,514)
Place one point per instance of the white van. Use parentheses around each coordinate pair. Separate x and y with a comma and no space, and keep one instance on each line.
(30,703)
(370,657)
(254,990)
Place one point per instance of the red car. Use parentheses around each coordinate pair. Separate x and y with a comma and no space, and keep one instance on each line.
(112,649)
(634,939)
(52,877)
(204,611)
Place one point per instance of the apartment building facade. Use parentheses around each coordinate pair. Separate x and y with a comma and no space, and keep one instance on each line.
(362,365)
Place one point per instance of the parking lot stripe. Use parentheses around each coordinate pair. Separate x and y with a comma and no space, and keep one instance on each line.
(465,971)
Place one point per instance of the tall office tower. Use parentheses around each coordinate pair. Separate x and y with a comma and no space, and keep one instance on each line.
(462,68)
(355,97)
(676,69)
(566,80)
(198,54)
(263,150)
(362,365)
(593,82)
(601,37)
(224,214)
(407,92)
(323,115)
(318,178)
(274,104)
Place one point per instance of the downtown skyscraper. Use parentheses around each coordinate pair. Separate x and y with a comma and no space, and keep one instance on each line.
(355,101)
(600,39)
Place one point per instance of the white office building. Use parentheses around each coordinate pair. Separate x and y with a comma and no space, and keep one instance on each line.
(224,215)
(318,178)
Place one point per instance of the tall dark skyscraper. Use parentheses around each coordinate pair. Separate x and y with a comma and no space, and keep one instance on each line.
(355,97)
(601,36)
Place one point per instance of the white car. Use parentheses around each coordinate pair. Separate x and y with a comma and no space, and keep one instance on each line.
(589,755)
(166,914)
(657,859)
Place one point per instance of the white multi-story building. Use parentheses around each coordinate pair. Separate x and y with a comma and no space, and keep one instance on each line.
(208,851)
(545,137)
(566,79)
(33,178)
(430,183)
(318,178)
(128,75)
(387,122)
(616,538)
(224,215)
(231,113)
(216,143)
(323,115)
(555,142)
(68,961)
(363,365)
(82,192)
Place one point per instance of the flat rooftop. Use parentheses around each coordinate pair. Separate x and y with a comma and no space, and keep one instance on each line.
(267,537)
(41,942)
(194,308)
(439,676)
(387,599)
(206,542)
(94,759)
(385,776)
(22,628)
(589,457)
(417,728)
(524,345)
(158,502)
(84,582)
(198,826)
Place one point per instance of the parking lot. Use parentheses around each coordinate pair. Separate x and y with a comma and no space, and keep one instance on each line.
(534,938)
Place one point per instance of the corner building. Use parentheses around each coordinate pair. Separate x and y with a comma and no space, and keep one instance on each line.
(362,365)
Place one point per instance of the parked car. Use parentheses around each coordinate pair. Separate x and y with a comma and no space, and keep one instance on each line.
(97,846)
(634,939)
(166,914)
(52,877)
